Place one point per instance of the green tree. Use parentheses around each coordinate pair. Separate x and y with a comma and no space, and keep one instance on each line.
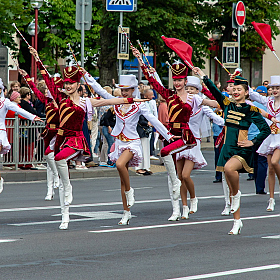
(172,18)
(219,17)
(13,11)
(57,23)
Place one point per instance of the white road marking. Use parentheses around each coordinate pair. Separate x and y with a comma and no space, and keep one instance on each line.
(229,272)
(272,237)
(118,190)
(110,203)
(92,216)
(181,224)
(7,240)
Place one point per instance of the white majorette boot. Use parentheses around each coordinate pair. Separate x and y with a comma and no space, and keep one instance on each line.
(235,202)
(271,204)
(1,184)
(193,207)
(170,168)
(51,163)
(226,211)
(130,199)
(50,190)
(62,169)
(175,203)
(236,229)
(125,218)
(186,211)
(64,209)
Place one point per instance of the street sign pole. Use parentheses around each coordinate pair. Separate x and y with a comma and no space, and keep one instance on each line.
(240,16)
(83,22)
(238,38)
(83,34)
(120,61)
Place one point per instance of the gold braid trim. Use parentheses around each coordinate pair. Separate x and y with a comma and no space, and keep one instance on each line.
(255,109)
(226,101)
(234,117)
(244,164)
(236,113)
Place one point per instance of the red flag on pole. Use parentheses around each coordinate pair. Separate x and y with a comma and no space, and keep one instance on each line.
(264,31)
(182,49)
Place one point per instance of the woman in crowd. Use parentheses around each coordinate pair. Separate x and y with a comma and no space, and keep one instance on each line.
(236,155)
(128,150)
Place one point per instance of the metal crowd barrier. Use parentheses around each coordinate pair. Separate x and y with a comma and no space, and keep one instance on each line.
(27,146)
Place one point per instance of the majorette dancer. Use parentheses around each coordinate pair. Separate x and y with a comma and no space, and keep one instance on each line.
(49,133)
(5,105)
(270,147)
(70,141)
(180,107)
(128,150)
(55,86)
(190,159)
(236,155)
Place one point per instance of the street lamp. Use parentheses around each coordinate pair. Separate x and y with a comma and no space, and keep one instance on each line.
(216,36)
(36,5)
(31,31)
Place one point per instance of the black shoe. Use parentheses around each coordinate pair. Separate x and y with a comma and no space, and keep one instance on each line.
(250,179)
(147,173)
(261,192)
(217,181)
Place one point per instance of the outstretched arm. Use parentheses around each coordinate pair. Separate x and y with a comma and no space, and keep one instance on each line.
(155,123)
(213,89)
(11,106)
(114,101)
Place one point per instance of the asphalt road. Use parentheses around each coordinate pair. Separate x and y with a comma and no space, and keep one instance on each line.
(95,247)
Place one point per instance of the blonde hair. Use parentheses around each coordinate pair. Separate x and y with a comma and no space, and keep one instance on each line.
(108,89)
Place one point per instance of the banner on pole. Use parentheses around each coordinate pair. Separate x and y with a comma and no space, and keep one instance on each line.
(123,44)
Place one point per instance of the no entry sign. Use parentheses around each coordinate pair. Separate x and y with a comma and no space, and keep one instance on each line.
(240,13)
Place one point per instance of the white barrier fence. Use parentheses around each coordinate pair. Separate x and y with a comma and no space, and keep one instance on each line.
(27,146)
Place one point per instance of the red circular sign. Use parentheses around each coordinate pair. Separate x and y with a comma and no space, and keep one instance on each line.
(240,13)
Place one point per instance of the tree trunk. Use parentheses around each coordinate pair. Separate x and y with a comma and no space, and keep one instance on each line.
(107,60)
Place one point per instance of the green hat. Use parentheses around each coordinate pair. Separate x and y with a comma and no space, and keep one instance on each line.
(240,80)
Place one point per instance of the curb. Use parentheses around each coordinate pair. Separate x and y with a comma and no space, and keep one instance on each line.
(39,175)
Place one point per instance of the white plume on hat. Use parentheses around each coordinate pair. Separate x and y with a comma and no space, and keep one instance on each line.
(129,81)
(193,81)
(274,81)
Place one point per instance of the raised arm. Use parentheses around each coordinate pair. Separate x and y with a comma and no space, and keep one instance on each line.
(96,86)
(255,96)
(37,92)
(45,75)
(156,85)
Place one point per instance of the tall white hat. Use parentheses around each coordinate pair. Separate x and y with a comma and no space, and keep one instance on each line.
(129,81)
(274,81)
(193,81)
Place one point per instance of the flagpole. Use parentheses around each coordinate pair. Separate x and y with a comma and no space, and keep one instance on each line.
(276,55)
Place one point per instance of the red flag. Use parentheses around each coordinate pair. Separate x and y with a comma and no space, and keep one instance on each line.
(182,49)
(264,31)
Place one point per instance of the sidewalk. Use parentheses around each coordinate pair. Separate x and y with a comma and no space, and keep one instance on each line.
(92,172)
